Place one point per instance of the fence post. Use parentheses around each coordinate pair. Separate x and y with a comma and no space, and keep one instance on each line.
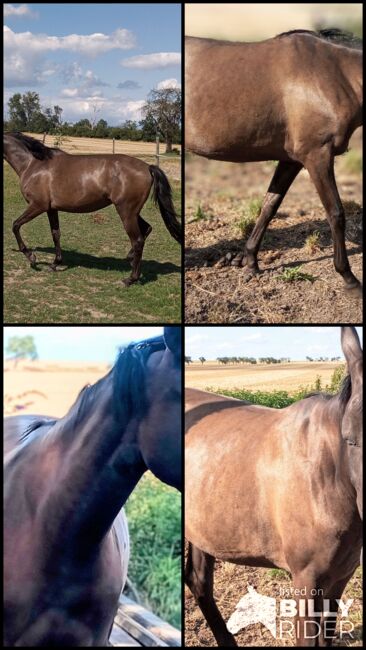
(113,145)
(157,151)
(44,138)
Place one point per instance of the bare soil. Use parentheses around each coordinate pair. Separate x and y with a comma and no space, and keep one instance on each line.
(231,583)
(226,294)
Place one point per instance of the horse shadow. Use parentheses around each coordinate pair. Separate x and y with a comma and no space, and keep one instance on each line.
(151,269)
(280,239)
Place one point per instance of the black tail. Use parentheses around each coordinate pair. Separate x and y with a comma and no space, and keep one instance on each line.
(163,198)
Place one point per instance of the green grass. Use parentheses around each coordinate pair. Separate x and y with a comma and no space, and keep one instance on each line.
(249,216)
(281,398)
(200,214)
(154,519)
(295,274)
(89,289)
(352,161)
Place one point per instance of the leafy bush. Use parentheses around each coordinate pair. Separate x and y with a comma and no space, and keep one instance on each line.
(154,519)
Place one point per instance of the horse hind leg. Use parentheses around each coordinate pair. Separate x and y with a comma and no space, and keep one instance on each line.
(56,235)
(30,213)
(145,231)
(320,165)
(199,578)
(283,177)
(129,219)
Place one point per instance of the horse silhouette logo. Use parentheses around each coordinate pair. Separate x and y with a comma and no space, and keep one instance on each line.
(253,608)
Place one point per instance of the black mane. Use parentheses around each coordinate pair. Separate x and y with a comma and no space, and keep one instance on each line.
(35,147)
(333,34)
(129,394)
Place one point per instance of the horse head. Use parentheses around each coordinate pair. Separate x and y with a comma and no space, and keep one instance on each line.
(351,426)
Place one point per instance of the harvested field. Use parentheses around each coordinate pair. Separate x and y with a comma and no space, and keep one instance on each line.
(144,150)
(286,376)
(216,197)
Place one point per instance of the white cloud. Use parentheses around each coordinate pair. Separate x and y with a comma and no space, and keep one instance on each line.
(21,10)
(150,61)
(113,110)
(168,83)
(90,44)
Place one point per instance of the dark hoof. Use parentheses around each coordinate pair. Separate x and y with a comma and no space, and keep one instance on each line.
(354,291)
(237,260)
(32,259)
(128,281)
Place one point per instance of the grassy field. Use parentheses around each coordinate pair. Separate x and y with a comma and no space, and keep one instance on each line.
(289,377)
(89,289)
(154,519)
(72,144)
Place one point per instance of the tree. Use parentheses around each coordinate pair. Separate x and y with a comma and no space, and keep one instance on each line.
(163,109)
(188,360)
(202,360)
(20,347)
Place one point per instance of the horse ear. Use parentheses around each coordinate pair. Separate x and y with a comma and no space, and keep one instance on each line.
(351,347)
(173,340)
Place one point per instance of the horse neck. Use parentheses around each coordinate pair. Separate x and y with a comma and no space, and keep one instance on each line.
(18,157)
(101,466)
(333,414)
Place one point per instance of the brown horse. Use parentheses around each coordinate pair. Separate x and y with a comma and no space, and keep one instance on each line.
(66,542)
(52,180)
(295,98)
(277,488)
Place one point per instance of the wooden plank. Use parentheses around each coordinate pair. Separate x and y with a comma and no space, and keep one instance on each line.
(132,613)
(120,638)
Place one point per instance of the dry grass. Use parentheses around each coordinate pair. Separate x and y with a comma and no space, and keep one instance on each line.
(72,144)
(286,376)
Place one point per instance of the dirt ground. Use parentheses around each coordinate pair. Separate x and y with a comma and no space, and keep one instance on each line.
(286,376)
(43,388)
(231,583)
(216,293)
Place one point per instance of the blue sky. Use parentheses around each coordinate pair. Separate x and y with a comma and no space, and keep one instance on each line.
(293,342)
(98,344)
(92,59)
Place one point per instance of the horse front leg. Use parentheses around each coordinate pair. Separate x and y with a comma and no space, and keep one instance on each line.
(56,235)
(199,578)
(320,165)
(308,604)
(30,213)
(283,177)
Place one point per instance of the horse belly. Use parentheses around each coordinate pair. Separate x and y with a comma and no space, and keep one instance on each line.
(227,512)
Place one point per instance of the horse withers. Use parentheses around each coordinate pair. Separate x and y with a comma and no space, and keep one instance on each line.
(66,544)
(52,180)
(296,98)
(277,488)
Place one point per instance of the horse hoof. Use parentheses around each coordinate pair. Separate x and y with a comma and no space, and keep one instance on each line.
(355,291)
(127,282)
(32,260)
(237,260)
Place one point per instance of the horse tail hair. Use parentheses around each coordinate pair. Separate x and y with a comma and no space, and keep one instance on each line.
(162,195)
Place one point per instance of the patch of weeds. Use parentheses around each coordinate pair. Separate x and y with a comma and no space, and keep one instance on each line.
(312,244)
(200,214)
(293,274)
(249,217)
(353,161)
(280,574)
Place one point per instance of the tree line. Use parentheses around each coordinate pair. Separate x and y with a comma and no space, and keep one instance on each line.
(161,116)
(268,360)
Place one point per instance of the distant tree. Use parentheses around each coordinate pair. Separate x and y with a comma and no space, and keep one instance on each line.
(188,360)
(101,129)
(163,109)
(21,347)
(202,360)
